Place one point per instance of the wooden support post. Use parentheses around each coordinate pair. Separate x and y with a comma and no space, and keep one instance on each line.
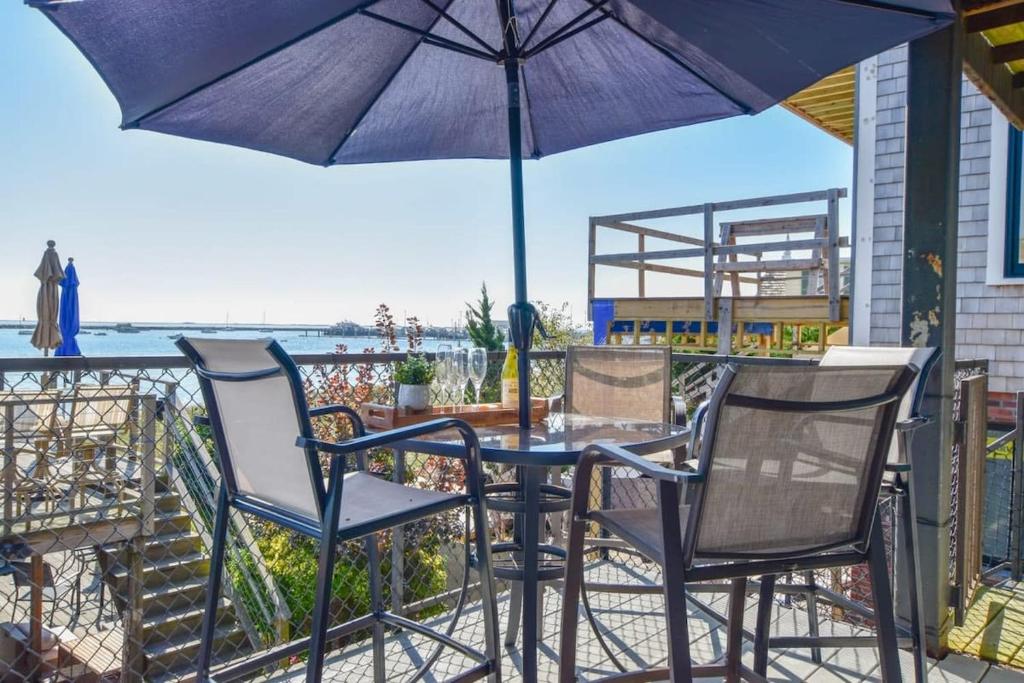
(10,467)
(641,276)
(833,255)
(709,263)
(591,267)
(133,658)
(928,317)
(703,334)
(724,326)
(147,476)
(36,616)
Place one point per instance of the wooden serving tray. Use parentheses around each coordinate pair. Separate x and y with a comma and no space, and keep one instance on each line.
(380,417)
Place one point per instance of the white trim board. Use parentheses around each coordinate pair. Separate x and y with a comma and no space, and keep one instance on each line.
(866,106)
(995,252)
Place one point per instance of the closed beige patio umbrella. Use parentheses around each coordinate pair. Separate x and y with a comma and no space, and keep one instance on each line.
(49,273)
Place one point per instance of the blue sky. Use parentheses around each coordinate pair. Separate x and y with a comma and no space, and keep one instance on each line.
(164,228)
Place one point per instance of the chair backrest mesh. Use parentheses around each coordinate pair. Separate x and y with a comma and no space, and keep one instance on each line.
(260,421)
(787,481)
(842,356)
(627,382)
(35,412)
(104,407)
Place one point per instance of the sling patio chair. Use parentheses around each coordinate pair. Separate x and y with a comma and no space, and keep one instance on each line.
(270,460)
(632,382)
(787,479)
(101,419)
(896,486)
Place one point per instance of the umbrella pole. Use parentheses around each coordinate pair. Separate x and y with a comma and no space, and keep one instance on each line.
(518,236)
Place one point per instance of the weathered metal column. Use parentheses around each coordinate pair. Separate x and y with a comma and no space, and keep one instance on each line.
(931,185)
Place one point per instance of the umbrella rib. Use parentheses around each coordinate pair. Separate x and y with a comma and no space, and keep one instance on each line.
(373,100)
(566,28)
(551,42)
(432,38)
(457,24)
(529,115)
(889,7)
(540,21)
(137,121)
(745,108)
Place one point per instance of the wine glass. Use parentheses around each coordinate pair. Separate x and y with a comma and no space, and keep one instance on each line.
(478,369)
(443,369)
(460,374)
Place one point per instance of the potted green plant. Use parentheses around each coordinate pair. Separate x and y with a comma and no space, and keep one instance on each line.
(414,376)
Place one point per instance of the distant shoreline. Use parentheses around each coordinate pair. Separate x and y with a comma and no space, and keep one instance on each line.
(346,329)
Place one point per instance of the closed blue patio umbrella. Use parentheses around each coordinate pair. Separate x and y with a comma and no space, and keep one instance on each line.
(359,81)
(68,315)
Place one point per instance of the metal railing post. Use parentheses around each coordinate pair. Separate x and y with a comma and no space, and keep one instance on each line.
(398,545)
(1017,501)
(9,467)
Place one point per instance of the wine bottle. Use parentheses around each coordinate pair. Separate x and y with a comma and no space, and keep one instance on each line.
(510,378)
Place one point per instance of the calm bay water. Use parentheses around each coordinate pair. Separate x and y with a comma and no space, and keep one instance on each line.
(160,343)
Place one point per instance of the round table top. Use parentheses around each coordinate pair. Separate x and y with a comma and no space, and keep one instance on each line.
(558,439)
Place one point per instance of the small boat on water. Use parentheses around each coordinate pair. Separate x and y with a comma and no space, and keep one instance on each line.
(208,330)
(101,334)
(125,328)
(24,331)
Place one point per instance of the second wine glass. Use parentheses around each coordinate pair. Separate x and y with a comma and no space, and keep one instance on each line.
(478,369)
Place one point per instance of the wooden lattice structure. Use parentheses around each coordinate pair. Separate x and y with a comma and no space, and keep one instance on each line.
(797,303)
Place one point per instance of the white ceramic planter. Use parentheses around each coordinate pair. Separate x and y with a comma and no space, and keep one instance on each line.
(414,396)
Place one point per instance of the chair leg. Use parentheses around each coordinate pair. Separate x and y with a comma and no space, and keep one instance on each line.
(324,579)
(220,532)
(515,609)
(377,605)
(674,585)
(734,629)
(908,522)
(488,597)
(881,591)
(762,632)
(812,614)
(571,600)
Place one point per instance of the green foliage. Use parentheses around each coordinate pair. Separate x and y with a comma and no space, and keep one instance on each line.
(480,326)
(415,370)
(558,323)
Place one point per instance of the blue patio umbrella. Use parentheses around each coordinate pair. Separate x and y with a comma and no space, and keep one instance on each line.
(359,81)
(68,315)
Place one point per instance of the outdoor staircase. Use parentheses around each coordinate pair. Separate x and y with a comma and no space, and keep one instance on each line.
(175,572)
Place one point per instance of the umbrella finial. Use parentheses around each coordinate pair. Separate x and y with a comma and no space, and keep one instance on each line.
(51,244)
(71,259)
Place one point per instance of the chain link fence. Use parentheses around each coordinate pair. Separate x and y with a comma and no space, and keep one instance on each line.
(109,493)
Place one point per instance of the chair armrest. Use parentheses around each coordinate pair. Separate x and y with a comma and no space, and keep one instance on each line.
(912,424)
(678,411)
(474,471)
(604,454)
(201,420)
(391,436)
(353,417)
(905,430)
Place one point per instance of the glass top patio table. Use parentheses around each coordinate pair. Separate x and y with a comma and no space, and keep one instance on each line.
(558,439)
(555,441)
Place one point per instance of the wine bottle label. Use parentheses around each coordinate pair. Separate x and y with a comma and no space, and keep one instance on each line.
(510,393)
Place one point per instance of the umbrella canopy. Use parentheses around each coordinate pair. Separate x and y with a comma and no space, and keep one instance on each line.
(357,81)
(47,335)
(68,316)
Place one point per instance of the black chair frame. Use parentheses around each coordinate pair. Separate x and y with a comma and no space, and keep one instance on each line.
(329,498)
(677,552)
